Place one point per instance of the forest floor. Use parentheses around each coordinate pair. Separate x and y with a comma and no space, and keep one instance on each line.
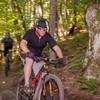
(68,77)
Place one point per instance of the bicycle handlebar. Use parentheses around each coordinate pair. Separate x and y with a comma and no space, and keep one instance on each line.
(47,60)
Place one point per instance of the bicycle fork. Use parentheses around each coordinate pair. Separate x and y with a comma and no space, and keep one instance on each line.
(43,87)
(37,91)
(39,87)
(48,90)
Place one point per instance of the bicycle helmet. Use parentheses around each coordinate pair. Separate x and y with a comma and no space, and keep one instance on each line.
(41,22)
(7,33)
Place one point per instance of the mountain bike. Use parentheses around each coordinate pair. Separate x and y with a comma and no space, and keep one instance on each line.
(44,86)
(7,62)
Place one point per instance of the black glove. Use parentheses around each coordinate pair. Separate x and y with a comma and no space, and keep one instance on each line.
(62,61)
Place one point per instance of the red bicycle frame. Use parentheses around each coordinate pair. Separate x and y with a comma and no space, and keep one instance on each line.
(35,80)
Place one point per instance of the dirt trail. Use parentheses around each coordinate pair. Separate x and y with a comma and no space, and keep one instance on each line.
(7,82)
(72,88)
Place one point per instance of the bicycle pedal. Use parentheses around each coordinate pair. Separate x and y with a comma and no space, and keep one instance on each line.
(28,90)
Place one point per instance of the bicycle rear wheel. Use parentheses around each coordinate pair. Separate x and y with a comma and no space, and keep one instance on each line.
(20,94)
(52,89)
(7,65)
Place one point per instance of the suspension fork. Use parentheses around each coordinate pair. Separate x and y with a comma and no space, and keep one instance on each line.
(44,86)
(38,88)
(40,85)
(47,89)
(50,88)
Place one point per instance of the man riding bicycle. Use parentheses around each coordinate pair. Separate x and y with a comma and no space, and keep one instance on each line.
(7,42)
(33,43)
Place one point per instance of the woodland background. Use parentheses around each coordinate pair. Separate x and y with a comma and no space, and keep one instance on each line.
(75,24)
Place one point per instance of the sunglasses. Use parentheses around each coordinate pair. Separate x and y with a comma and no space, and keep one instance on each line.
(43,29)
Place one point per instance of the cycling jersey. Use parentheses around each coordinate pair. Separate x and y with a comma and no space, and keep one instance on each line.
(8,44)
(37,45)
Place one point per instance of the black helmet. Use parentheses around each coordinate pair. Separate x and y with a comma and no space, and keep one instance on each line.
(41,22)
(7,33)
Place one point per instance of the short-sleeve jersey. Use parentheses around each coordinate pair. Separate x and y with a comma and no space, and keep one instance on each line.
(8,42)
(37,45)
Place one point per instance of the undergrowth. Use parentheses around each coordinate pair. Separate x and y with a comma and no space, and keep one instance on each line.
(89,84)
(75,48)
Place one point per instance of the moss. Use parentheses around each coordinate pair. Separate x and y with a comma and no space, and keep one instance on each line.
(98,15)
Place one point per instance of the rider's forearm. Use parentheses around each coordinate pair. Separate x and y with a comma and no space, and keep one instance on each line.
(23,46)
(58,51)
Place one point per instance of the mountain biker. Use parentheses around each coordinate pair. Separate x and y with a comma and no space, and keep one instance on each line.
(7,42)
(33,43)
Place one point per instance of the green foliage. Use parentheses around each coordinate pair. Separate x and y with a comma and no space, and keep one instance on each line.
(21,2)
(9,13)
(91,84)
(85,1)
(98,15)
(74,48)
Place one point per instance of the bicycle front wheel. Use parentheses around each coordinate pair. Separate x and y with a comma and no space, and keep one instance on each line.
(52,89)
(20,94)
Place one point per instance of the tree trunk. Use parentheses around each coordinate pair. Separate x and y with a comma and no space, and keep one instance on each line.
(53,17)
(74,23)
(53,21)
(92,59)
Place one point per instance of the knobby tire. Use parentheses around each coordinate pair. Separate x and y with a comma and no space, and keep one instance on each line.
(59,85)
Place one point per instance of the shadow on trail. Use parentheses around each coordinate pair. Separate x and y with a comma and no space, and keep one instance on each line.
(8,84)
(7,95)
